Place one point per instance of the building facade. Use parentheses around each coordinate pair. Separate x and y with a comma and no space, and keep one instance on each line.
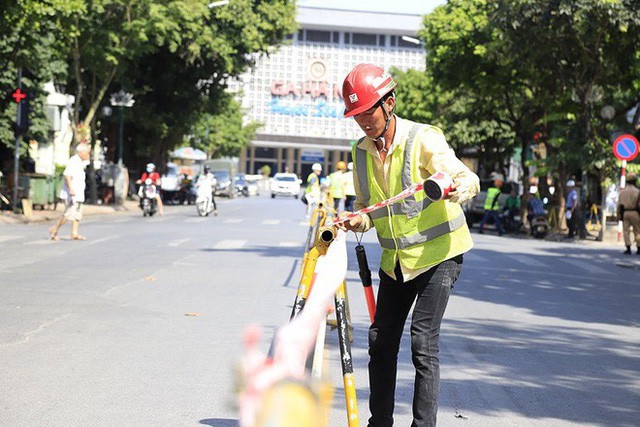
(295,92)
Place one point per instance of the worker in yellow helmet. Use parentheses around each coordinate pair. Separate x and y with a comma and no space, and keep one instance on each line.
(337,185)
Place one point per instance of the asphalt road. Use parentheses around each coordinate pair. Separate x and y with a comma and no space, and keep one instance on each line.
(141,324)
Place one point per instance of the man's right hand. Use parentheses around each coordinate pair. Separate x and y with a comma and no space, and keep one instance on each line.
(351,225)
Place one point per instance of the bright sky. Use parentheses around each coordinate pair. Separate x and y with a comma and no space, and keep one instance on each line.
(421,7)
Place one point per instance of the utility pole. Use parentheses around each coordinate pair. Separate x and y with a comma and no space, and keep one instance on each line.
(19,96)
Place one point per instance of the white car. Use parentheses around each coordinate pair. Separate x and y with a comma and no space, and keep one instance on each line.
(285,184)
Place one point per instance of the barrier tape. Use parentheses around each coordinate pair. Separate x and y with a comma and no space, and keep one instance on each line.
(400,196)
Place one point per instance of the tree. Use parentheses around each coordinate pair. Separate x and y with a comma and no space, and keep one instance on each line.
(541,66)
(224,133)
(28,42)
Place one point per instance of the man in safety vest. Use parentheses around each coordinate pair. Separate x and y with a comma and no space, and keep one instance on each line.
(422,241)
(492,204)
(337,185)
(313,192)
(349,188)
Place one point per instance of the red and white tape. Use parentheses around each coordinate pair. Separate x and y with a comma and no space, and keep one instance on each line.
(400,196)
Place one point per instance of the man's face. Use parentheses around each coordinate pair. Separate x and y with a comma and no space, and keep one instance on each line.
(373,120)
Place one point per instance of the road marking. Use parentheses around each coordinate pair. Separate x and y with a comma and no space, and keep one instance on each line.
(232,221)
(526,260)
(289,244)
(271,222)
(196,220)
(121,220)
(104,239)
(230,244)
(177,243)
(7,238)
(585,265)
(304,224)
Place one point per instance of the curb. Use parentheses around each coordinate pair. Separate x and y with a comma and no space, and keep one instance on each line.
(8,217)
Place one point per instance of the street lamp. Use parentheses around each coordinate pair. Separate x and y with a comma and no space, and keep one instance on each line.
(121,99)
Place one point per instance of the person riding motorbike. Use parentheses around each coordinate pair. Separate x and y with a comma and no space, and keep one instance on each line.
(154,176)
(207,181)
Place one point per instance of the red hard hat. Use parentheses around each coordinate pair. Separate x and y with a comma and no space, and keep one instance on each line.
(365,85)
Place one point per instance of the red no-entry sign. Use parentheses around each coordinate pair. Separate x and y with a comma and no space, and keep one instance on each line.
(626,147)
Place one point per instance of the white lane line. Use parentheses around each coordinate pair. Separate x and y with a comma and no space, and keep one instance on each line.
(526,260)
(585,265)
(230,244)
(121,220)
(289,244)
(8,238)
(304,224)
(104,239)
(271,222)
(196,220)
(232,221)
(177,243)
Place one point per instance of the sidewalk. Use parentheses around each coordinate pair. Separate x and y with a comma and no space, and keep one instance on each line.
(8,217)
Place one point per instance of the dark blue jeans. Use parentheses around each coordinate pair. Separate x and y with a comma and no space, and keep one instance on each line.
(496,219)
(431,292)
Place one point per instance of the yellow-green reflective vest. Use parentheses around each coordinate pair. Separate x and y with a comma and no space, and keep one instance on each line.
(416,231)
(336,185)
(313,185)
(349,188)
(491,202)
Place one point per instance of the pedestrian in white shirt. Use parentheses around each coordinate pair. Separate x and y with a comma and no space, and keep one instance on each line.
(72,192)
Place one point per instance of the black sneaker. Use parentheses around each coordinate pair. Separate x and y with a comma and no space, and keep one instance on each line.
(627,252)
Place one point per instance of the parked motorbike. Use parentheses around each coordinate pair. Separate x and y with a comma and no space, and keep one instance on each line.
(512,222)
(537,216)
(147,193)
(204,201)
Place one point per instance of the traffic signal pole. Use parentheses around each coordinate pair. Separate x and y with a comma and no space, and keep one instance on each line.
(16,163)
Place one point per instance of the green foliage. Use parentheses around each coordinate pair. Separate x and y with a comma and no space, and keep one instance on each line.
(223,134)
(175,56)
(539,66)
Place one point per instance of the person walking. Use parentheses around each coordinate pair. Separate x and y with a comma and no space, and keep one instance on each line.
(629,212)
(313,193)
(337,185)
(72,192)
(422,241)
(572,208)
(492,205)
(349,189)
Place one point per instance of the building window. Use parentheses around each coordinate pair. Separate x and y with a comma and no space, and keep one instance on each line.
(336,37)
(380,40)
(365,39)
(394,41)
(347,38)
(318,36)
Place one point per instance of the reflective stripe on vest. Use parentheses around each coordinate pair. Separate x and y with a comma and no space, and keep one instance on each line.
(423,236)
(410,207)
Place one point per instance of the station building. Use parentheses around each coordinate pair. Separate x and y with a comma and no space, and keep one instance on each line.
(295,92)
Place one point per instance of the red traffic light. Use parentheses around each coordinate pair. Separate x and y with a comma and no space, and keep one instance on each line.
(18,95)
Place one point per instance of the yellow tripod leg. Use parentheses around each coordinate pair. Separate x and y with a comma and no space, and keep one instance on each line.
(345,358)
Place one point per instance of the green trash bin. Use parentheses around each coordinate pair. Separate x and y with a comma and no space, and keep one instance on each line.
(35,187)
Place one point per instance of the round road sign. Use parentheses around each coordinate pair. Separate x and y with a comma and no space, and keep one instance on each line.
(626,147)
